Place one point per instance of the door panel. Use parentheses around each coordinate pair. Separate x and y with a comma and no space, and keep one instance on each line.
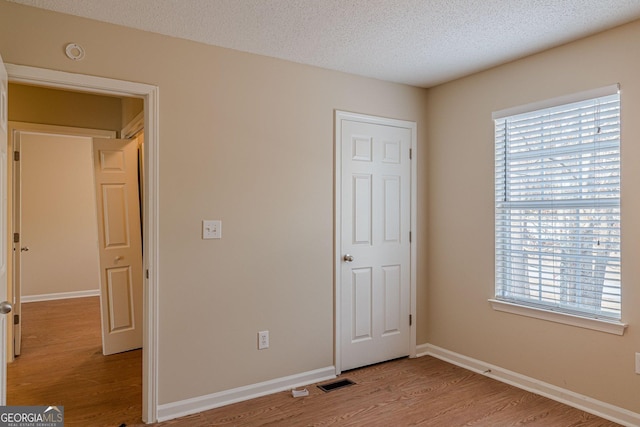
(114,198)
(362,209)
(362,301)
(120,294)
(119,236)
(375,221)
(392,299)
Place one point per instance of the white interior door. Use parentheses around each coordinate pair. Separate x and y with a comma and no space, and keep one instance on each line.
(5,306)
(120,243)
(375,248)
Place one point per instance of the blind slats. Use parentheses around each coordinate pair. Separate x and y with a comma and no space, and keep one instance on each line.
(558,207)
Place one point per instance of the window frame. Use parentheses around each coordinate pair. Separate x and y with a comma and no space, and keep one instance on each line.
(530,309)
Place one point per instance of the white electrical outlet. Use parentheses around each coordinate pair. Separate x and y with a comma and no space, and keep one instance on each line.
(263,340)
(637,363)
(211,229)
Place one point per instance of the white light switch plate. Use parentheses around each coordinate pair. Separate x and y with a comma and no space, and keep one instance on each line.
(211,229)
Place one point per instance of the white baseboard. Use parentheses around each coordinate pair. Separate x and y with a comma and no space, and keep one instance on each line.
(604,410)
(203,403)
(60,295)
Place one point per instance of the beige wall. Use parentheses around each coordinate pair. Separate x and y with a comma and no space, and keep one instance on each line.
(248,140)
(56,107)
(131,107)
(460,221)
(58,215)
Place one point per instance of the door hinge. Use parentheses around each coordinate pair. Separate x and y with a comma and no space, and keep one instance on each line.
(410,153)
(16,319)
(147,274)
(16,156)
(410,319)
(409,237)
(16,237)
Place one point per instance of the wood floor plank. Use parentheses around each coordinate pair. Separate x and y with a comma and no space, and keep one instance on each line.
(62,364)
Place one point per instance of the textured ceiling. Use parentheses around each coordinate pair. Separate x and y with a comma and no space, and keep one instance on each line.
(417,42)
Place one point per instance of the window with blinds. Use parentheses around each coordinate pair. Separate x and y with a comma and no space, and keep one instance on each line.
(557,206)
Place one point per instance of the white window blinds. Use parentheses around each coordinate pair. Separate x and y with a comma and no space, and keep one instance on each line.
(557,207)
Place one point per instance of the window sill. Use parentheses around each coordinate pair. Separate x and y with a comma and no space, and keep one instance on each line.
(608,326)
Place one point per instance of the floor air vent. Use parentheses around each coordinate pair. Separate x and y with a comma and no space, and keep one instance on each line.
(335,385)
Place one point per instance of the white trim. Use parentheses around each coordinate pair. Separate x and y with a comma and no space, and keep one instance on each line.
(414,238)
(339,116)
(602,325)
(422,350)
(194,405)
(28,127)
(150,94)
(150,369)
(337,239)
(560,100)
(585,403)
(59,295)
(80,82)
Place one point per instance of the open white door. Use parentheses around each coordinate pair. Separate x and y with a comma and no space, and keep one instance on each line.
(375,248)
(120,244)
(5,306)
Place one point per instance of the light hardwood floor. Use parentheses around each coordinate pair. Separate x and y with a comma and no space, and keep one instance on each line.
(406,392)
(62,364)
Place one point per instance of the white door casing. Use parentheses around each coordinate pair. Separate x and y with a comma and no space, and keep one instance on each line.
(3,228)
(375,275)
(120,245)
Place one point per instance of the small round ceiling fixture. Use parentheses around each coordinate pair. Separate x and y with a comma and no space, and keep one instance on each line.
(74,51)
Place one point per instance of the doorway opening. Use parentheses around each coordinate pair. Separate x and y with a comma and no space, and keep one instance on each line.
(53,204)
(76,226)
(110,87)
